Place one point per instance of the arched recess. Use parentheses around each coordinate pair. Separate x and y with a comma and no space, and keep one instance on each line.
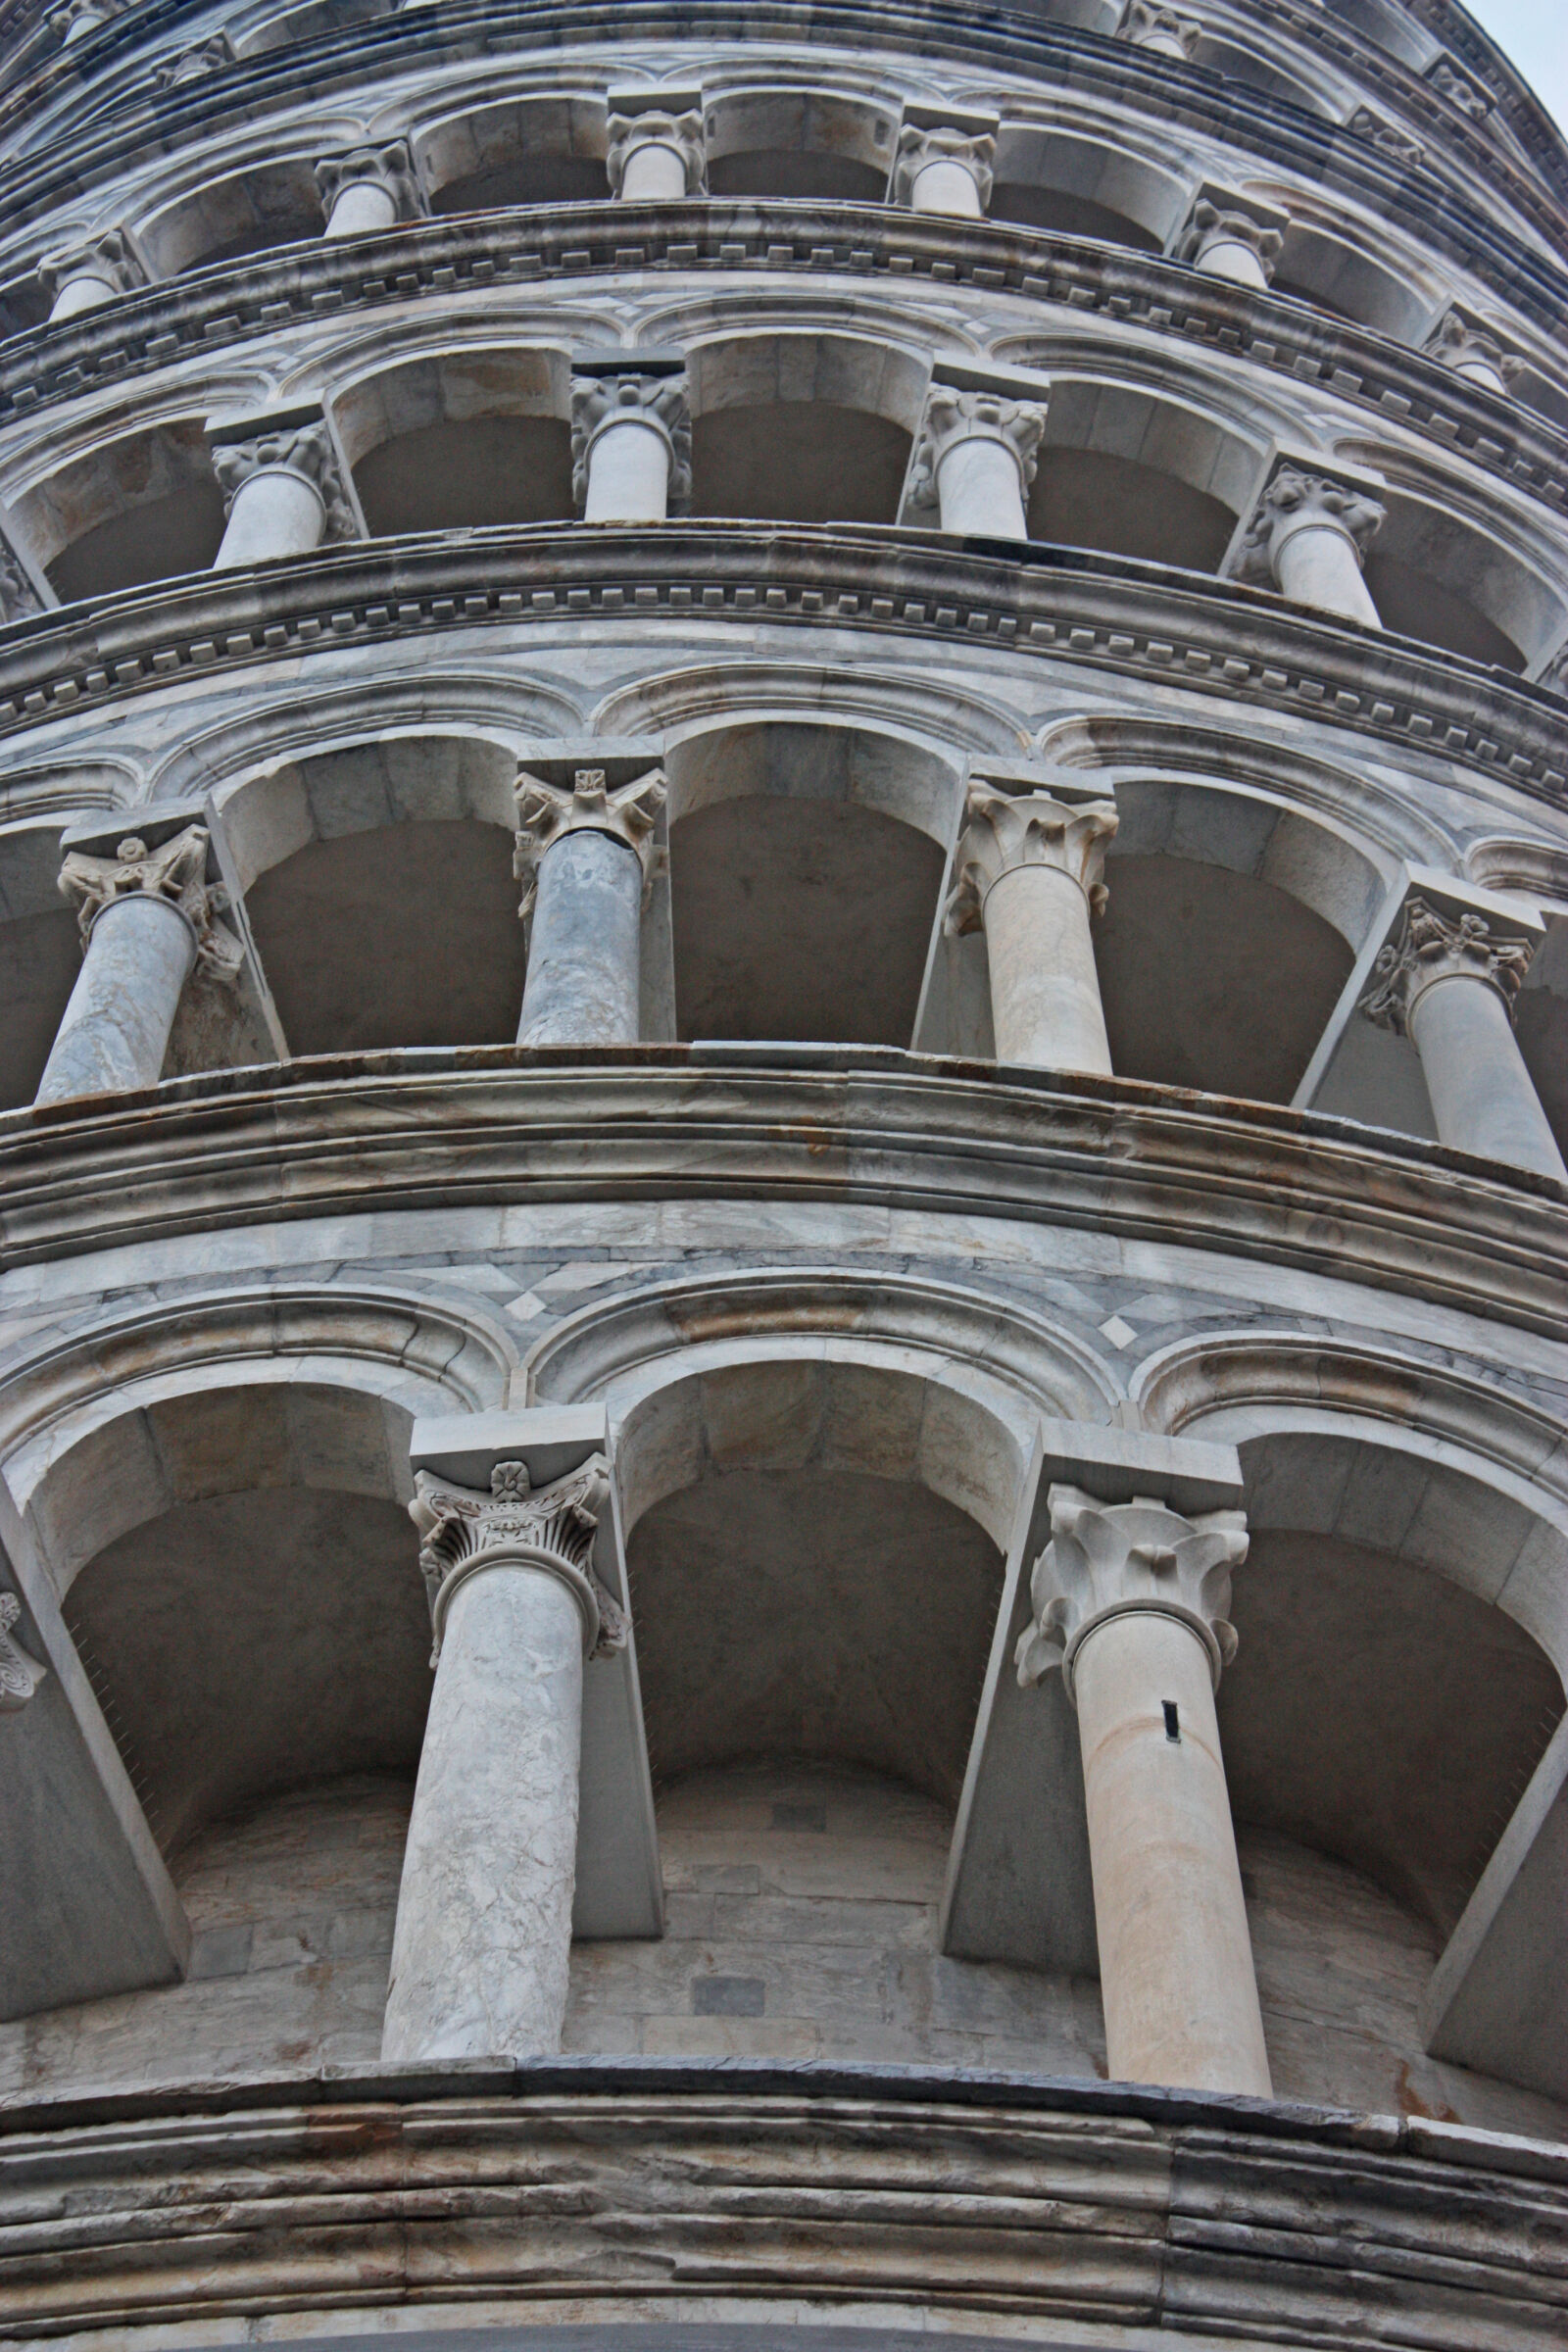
(247,211)
(1127,471)
(1238,63)
(806,143)
(378,887)
(144,507)
(1447,580)
(460,439)
(803,427)
(1082,186)
(1538,869)
(287,28)
(805,861)
(1388,28)
(40,955)
(1333,274)
(535,150)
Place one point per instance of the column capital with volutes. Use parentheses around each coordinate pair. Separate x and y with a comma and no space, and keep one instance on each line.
(112,257)
(1168,31)
(1467,345)
(174,871)
(632,387)
(464,1531)
(385,164)
(292,441)
(1438,942)
(1008,824)
(962,404)
(655,117)
(547,811)
(1221,216)
(1299,497)
(935,134)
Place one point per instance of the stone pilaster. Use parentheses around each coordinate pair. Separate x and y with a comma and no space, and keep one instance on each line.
(951,150)
(1146,24)
(656,151)
(975,457)
(20,1673)
(175,873)
(1109,1560)
(376,183)
(602,401)
(552,1527)
(18,595)
(1461,342)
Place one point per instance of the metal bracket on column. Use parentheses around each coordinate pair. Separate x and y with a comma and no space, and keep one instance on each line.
(620,1890)
(1019,1888)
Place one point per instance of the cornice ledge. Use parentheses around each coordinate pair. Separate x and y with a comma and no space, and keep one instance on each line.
(333,1136)
(1214,636)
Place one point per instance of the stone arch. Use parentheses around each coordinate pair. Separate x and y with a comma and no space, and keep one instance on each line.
(41,953)
(802,427)
(952,720)
(1081,183)
(251,210)
(462,437)
(1133,471)
(1296,82)
(138,506)
(777,140)
(1458,578)
(529,148)
(1331,266)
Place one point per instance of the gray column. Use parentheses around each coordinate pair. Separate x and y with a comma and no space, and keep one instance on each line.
(84,277)
(584,856)
(1130,1602)
(1228,238)
(484,1937)
(656,153)
(974,459)
(631,436)
(368,188)
(1307,538)
(281,489)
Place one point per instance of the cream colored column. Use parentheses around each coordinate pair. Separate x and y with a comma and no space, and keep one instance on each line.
(585,857)
(1162,32)
(655,156)
(84,277)
(1029,871)
(944,168)
(1461,343)
(631,444)
(1450,982)
(482,1942)
(1226,241)
(1130,1602)
(1308,539)
(282,491)
(368,188)
(974,460)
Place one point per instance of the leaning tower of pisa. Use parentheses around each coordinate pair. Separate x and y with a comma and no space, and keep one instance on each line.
(783,1260)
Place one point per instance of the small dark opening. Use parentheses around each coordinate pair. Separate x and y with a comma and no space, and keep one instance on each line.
(1173,1721)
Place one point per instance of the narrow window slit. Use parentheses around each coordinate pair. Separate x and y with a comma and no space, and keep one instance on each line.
(1173,1721)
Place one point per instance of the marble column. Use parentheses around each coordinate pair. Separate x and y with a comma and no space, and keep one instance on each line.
(655,156)
(631,444)
(1029,873)
(944,168)
(974,460)
(368,188)
(1162,32)
(1130,1601)
(147,917)
(1450,983)
(1230,242)
(281,490)
(1463,344)
(84,277)
(1308,538)
(584,856)
(483,1935)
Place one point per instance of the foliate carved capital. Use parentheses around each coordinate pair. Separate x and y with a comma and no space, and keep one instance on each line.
(388,166)
(1433,946)
(111,258)
(1451,82)
(657,400)
(1110,1561)
(1400,146)
(462,1532)
(1145,21)
(18,595)
(974,153)
(20,1673)
(951,417)
(1210,225)
(682,133)
(1461,342)
(78,18)
(547,811)
(195,64)
(1003,831)
(1295,500)
(175,873)
(305,449)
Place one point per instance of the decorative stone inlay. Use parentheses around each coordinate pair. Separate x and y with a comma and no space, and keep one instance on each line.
(1467,96)
(1295,500)
(389,165)
(196,63)
(1388,138)
(547,811)
(1433,946)
(464,1532)
(1110,1559)
(1149,25)
(299,447)
(1006,830)
(111,258)
(599,402)
(1461,342)
(921,146)
(1210,225)
(952,415)
(174,871)
(681,133)
(20,1673)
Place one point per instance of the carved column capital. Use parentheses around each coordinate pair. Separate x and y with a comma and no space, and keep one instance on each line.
(289,444)
(389,165)
(1464,94)
(20,1673)
(1461,342)
(681,133)
(462,1532)
(111,258)
(78,18)
(18,595)
(1146,24)
(953,415)
(1296,501)
(176,871)
(920,145)
(547,811)
(1435,946)
(1400,146)
(1110,1561)
(1003,831)
(195,64)
(659,402)
(1210,223)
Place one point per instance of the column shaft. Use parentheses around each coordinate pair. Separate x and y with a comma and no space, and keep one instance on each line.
(944,187)
(1316,566)
(1045,988)
(484,1937)
(115,1029)
(654,175)
(1175,1956)
(628,474)
(1235,262)
(80,294)
(276,512)
(1483,1098)
(361,206)
(584,959)
(979,490)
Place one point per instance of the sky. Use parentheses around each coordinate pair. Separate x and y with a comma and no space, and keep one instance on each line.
(1534,33)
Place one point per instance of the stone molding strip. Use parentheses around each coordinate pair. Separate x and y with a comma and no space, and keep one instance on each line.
(208,311)
(346,1134)
(1240,644)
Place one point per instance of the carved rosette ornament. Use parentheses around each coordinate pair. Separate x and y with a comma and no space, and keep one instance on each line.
(1003,831)
(1110,1561)
(20,1673)
(1147,26)
(1461,343)
(112,259)
(1433,947)
(951,417)
(1294,502)
(463,1533)
(388,166)
(919,147)
(1210,225)
(1388,138)
(303,450)
(175,873)
(599,402)
(681,133)
(545,812)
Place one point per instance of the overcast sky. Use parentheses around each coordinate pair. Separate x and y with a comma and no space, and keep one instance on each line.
(1535,36)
